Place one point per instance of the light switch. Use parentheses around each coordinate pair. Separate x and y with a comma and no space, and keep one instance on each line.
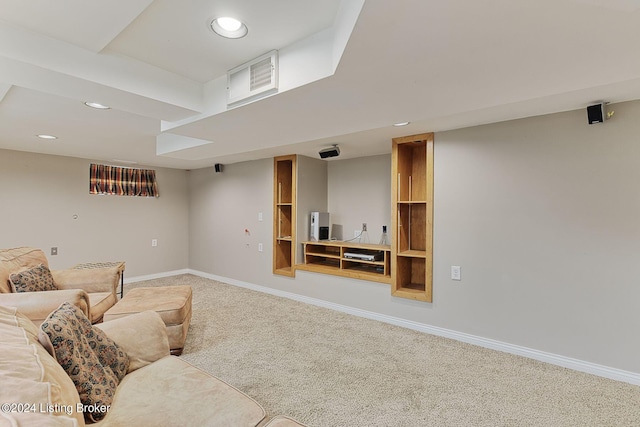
(455,272)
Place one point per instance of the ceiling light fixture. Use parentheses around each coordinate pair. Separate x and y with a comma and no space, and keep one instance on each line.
(44,136)
(228,27)
(97,105)
(401,124)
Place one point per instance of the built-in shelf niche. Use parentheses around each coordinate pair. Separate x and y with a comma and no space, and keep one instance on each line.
(412,217)
(284,214)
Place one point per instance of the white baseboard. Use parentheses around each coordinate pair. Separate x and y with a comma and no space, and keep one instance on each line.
(554,359)
(157,276)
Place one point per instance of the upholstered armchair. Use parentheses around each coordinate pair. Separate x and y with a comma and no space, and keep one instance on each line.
(27,284)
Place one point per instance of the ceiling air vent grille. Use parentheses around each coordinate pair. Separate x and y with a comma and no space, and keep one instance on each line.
(261,74)
(253,80)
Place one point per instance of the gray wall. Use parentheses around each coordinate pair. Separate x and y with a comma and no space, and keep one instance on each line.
(312,196)
(41,193)
(221,207)
(360,191)
(542,214)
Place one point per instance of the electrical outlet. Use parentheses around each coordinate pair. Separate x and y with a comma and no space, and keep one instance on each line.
(455,272)
(357,233)
(364,226)
(154,242)
(54,250)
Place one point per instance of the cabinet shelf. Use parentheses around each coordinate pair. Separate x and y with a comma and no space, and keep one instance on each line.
(412,253)
(328,257)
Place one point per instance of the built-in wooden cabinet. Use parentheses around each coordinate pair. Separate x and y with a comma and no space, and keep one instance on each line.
(346,259)
(412,217)
(407,264)
(284,214)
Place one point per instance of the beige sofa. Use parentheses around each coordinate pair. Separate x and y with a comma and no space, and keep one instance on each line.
(93,291)
(158,389)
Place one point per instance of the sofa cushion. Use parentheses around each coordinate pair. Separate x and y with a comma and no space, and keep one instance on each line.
(92,360)
(33,279)
(202,399)
(30,375)
(142,336)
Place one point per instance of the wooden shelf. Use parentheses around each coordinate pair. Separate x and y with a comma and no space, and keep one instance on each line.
(284,214)
(329,257)
(412,217)
(413,253)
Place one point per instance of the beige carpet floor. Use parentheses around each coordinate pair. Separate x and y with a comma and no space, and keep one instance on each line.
(327,368)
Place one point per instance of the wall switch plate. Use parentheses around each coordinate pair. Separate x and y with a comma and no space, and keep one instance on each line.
(259,216)
(154,242)
(54,250)
(259,247)
(455,272)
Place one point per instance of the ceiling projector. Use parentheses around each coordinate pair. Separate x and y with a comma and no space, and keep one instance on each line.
(329,152)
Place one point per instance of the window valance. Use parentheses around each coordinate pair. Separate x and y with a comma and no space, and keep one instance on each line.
(105,179)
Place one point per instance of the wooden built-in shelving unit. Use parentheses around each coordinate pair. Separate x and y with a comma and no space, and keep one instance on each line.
(284,214)
(412,217)
(331,257)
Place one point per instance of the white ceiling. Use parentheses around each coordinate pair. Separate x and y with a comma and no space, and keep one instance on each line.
(349,69)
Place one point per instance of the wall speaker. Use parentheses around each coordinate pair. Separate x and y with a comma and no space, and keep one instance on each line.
(595,113)
(329,152)
(218,167)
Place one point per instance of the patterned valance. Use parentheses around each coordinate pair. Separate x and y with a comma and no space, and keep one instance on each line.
(105,179)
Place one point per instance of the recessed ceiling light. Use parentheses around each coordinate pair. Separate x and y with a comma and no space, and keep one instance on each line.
(401,124)
(43,136)
(97,105)
(228,27)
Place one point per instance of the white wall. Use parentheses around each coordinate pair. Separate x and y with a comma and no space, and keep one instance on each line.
(540,213)
(41,194)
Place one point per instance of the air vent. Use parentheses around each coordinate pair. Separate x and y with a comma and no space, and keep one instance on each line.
(253,80)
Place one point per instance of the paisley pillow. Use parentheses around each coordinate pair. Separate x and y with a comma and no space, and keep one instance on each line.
(34,279)
(92,360)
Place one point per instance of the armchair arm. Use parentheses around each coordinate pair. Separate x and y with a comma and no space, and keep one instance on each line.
(103,279)
(38,305)
(143,336)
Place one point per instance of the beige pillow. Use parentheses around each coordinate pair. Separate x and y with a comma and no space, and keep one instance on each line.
(77,347)
(33,279)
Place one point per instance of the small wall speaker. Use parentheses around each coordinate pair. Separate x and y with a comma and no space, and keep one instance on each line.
(329,152)
(219,167)
(596,113)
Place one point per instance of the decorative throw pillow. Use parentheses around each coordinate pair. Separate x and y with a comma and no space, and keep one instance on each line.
(108,352)
(34,279)
(66,329)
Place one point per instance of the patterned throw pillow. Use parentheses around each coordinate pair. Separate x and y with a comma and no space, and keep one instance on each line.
(108,352)
(71,336)
(34,279)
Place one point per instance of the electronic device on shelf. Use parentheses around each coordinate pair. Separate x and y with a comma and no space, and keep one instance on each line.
(364,256)
(319,226)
